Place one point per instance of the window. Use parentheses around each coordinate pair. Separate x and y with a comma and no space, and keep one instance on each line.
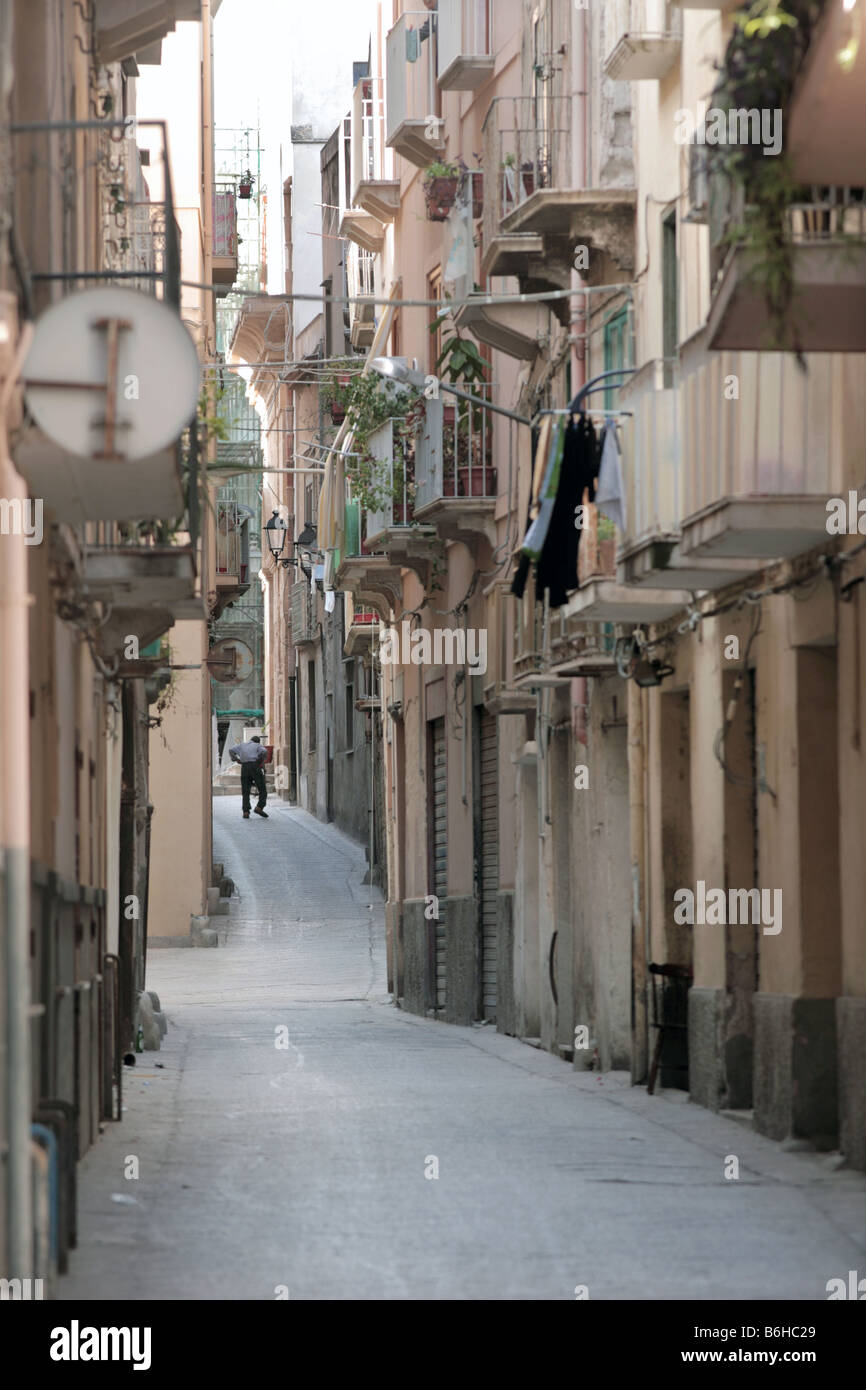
(311,704)
(434,291)
(670,330)
(311,503)
(616,353)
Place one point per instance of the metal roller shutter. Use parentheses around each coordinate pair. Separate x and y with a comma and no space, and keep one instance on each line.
(440,849)
(489,861)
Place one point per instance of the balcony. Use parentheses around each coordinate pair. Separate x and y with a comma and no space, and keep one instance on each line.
(533,215)
(466,57)
(825,137)
(373,582)
(569,647)
(360,279)
(606,601)
(652,466)
(581,648)
(304,626)
(88,448)
(232,552)
(828,239)
(224,266)
(515,329)
(757,471)
(145,583)
(362,628)
(375,188)
(647,37)
(393,525)
(500,694)
(126,27)
(413,127)
(456,482)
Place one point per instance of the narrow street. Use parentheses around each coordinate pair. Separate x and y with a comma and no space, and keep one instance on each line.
(304,1165)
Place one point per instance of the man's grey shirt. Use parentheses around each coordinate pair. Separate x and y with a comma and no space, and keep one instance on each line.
(248,752)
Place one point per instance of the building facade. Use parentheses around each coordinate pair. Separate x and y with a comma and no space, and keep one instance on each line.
(105,548)
(630,834)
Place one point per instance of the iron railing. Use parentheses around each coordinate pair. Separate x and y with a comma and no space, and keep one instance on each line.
(454,450)
(526,146)
(372,161)
(137,239)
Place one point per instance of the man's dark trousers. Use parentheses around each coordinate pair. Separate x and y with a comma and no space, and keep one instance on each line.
(253,775)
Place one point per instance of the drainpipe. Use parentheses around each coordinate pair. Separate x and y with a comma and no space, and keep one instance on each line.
(293,740)
(579,303)
(15,604)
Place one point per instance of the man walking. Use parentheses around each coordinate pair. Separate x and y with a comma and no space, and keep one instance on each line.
(252,757)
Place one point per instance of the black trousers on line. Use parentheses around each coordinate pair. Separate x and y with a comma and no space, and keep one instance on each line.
(253,775)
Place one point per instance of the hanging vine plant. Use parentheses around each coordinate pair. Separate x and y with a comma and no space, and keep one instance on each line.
(764,54)
(370,401)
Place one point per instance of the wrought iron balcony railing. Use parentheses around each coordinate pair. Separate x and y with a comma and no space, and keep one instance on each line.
(527,147)
(138,237)
(454,451)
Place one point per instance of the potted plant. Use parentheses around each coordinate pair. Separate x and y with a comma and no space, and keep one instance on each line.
(336,395)
(441,185)
(245,185)
(476,480)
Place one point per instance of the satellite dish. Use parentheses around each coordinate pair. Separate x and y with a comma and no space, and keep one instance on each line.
(112,373)
(228,671)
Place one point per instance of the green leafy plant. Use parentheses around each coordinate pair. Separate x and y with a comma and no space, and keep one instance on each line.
(761,62)
(370,401)
(441,171)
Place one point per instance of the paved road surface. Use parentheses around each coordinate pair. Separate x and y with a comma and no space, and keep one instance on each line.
(304,1166)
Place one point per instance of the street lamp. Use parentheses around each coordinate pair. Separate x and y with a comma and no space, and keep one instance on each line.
(306,545)
(275,534)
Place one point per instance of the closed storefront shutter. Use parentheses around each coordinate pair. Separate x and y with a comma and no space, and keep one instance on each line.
(489,861)
(440,851)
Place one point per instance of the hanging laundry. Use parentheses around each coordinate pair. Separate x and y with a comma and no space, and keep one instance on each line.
(610,493)
(541,446)
(533,542)
(556,572)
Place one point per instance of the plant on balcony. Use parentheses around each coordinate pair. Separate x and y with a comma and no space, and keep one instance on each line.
(335,392)
(441,186)
(372,401)
(466,444)
(763,57)
(509,180)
